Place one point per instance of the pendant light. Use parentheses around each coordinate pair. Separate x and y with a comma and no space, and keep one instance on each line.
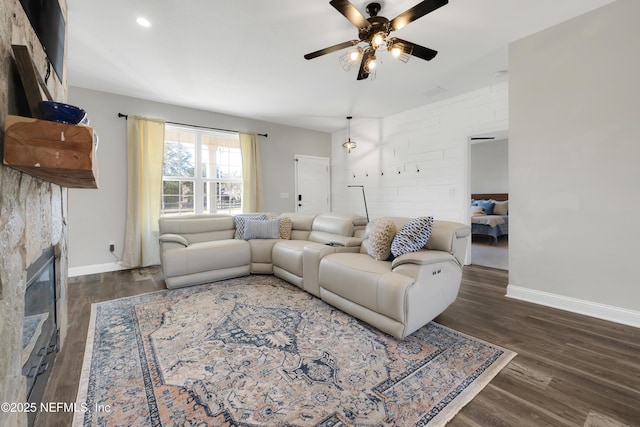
(349,145)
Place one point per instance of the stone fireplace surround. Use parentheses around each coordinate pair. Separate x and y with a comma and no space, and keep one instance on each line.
(32,214)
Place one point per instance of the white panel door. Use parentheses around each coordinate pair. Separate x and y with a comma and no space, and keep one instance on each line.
(312,184)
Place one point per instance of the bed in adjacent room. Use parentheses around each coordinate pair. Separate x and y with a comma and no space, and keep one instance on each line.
(490,215)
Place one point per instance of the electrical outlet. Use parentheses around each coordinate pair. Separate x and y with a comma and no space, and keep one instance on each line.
(112,246)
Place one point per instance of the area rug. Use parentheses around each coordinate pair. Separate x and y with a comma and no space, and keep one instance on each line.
(257,351)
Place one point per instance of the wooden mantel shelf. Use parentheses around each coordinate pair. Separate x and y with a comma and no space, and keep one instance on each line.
(56,152)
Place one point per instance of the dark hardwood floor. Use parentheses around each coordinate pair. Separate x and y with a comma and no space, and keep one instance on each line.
(571,370)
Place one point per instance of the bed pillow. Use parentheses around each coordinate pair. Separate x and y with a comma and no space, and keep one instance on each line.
(477,211)
(501,208)
(240,220)
(378,238)
(413,236)
(486,205)
(261,229)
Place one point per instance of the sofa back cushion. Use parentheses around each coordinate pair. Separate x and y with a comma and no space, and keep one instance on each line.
(337,228)
(334,223)
(301,224)
(199,228)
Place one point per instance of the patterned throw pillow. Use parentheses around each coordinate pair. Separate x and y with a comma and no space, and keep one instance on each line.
(262,229)
(286,225)
(379,238)
(240,220)
(413,236)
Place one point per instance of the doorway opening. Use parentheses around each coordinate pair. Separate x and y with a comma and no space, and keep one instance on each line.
(489,199)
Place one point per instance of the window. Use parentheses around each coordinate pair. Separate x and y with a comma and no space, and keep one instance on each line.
(202,172)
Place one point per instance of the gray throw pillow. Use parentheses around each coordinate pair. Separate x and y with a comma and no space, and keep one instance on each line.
(265,229)
(240,220)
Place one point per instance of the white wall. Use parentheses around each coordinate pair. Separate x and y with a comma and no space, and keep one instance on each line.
(432,139)
(574,147)
(490,167)
(98,216)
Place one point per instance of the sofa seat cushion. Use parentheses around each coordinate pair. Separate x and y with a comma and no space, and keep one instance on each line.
(261,250)
(206,256)
(366,282)
(261,260)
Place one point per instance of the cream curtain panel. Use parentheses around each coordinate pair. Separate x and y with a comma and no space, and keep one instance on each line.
(251,172)
(145,154)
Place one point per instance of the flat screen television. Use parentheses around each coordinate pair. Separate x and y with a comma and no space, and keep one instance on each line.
(48,22)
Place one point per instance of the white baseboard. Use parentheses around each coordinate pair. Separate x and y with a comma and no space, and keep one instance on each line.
(574,305)
(85,270)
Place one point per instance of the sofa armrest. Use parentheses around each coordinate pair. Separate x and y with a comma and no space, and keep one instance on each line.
(347,242)
(311,258)
(451,237)
(173,238)
(423,257)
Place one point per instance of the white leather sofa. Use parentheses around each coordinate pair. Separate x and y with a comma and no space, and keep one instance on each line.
(312,238)
(326,256)
(196,249)
(401,295)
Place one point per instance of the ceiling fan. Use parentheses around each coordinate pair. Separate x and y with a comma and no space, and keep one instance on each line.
(373,33)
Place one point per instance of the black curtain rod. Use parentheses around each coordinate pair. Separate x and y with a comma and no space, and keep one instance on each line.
(266,135)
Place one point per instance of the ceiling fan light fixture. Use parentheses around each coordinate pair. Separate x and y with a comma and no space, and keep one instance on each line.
(375,32)
(371,63)
(350,58)
(400,51)
(378,40)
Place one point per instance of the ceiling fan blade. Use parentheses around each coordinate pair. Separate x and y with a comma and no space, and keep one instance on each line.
(414,49)
(351,13)
(331,49)
(417,11)
(363,74)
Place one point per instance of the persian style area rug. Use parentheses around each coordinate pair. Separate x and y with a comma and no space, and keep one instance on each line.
(257,351)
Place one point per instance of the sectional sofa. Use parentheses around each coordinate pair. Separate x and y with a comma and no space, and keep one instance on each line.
(339,258)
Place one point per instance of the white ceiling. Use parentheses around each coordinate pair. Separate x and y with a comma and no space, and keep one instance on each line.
(245,57)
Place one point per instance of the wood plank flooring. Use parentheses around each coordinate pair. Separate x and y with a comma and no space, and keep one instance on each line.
(571,370)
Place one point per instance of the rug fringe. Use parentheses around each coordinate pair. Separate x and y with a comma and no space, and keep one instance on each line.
(83,386)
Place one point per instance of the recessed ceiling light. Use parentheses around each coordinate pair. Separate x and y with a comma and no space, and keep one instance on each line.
(143,22)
